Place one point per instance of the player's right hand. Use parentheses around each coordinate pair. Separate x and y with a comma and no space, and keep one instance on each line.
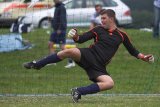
(148,58)
(72,33)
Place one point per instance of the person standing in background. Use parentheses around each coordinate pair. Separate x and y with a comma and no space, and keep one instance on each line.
(59,25)
(156,19)
(95,19)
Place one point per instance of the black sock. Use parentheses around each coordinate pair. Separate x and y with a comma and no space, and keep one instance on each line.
(70,60)
(53,58)
(93,88)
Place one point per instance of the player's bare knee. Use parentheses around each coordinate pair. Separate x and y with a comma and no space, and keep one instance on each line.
(73,53)
(68,52)
(65,53)
(109,84)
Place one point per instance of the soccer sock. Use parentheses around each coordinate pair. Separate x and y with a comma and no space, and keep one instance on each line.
(93,88)
(53,58)
(70,60)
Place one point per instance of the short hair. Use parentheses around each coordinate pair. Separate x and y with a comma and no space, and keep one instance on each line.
(102,11)
(110,13)
(98,5)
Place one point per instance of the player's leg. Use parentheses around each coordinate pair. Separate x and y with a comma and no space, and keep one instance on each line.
(70,63)
(62,41)
(50,47)
(52,41)
(103,82)
(73,53)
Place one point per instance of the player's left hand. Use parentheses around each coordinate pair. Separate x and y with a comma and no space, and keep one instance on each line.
(72,33)
(148,58)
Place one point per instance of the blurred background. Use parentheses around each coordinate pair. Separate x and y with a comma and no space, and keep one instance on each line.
(142,12)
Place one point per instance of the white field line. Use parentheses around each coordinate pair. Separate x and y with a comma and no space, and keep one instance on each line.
(43,95)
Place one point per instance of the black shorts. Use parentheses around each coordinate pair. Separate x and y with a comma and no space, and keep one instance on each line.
(58,38)
(89,63)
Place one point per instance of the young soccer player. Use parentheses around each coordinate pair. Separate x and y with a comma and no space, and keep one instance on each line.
(93,60)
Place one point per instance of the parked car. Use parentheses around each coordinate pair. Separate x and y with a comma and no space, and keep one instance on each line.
(79,13)
(10,10)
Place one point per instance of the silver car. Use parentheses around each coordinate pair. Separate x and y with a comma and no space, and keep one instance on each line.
(79,13)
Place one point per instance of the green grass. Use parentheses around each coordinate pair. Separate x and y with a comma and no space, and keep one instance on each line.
(130,75)
(87,101)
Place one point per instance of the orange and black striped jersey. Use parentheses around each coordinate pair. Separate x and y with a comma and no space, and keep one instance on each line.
(106,43)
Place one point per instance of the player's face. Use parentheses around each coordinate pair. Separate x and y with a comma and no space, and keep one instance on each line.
(98,9)
(105,21)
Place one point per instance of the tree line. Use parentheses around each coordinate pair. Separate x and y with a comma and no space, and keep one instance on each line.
(142,12)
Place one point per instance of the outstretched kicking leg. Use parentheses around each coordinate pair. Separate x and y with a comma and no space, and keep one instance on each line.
(73,53)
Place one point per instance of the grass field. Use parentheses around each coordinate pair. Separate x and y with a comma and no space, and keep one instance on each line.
(88,101)
(131,76)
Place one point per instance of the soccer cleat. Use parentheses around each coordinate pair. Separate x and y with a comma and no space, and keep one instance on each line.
(70,65)
(75,95)
(31,65)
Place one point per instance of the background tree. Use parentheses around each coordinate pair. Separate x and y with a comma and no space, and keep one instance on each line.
(142,12)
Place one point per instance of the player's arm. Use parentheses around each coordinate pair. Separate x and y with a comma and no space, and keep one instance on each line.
(80,38)
(132,50)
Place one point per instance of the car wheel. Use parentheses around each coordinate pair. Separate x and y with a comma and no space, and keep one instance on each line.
(45,24)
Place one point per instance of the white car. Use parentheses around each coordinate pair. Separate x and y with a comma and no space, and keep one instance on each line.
(10,10)
(79,13)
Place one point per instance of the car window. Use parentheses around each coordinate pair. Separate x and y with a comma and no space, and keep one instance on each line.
(27,1)
(8,0)
(79,4)
(106,3)
(76,4)
(90,3)
(68,5)
(109,3)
